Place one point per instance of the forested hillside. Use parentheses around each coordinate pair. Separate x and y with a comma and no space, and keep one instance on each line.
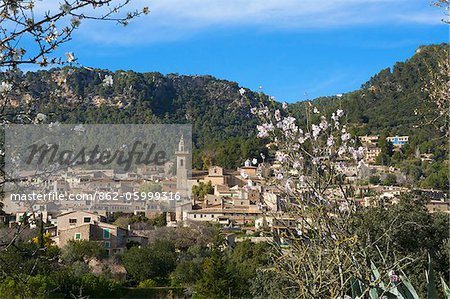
(395,102)
(391,102)
(214,107)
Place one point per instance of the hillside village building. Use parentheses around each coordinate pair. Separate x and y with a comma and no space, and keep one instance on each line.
(241,199)
(81,225)
(371,149)
(398,141)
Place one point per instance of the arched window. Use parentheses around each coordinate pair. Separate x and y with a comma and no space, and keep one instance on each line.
(181,162)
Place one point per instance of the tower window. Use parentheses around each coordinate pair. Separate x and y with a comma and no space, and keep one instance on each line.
(181,162)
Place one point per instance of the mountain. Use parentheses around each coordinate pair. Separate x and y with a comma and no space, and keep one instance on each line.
(391,102)
(223,127)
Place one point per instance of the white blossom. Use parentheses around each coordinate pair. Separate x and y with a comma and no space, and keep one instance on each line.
(242,91)
(358,153)
(264,130)
(280,156)
(342,150)
(323,124)
(108,81)
(334,117)
(345,136)
(315,131)
(70,57)
(5,87)
(41,117)
(301,179)
(330,141)
(288,124)
(277,115)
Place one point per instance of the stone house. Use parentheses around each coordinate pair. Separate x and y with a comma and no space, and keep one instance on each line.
(82,225)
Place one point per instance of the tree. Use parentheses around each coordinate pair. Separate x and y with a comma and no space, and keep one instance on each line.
(201,190)
(155,261)
(30,37)
(437,176)
(183,238)
(243,262)
(150,187)
(324,253)
(26,259)
(409,231)
(386,147)
(81,251)
(189,268)
(267,283)
(159,220)
(186,274)
(390,179)
(374,180)
(216,280)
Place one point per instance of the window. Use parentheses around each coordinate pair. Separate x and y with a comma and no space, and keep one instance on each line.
(107,244)
(78,236)
(106,233)
(72,221)
(87,219)
(181,162)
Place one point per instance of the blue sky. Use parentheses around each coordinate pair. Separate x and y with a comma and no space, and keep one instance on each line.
(292,48)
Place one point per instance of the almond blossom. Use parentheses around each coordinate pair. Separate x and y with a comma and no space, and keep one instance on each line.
(5,87)
(108,81)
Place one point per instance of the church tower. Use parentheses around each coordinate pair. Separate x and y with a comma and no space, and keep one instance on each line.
(182,171)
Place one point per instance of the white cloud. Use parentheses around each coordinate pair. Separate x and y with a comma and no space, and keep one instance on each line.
(174,19)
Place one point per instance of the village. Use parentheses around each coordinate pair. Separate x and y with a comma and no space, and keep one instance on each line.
(241,201)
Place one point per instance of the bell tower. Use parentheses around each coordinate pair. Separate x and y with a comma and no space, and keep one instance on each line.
(182,171)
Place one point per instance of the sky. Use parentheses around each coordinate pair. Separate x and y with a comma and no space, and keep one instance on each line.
(293,49)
